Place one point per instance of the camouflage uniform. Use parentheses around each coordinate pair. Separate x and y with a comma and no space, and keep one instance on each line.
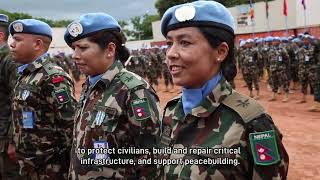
(224,118)
(307,67)
(43,108)
(122,111)
(8,169)
(279,63)
(250,68)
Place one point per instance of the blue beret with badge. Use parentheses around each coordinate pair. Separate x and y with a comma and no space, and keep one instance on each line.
(4,19)
(199,14)
(88,24)
(30,26)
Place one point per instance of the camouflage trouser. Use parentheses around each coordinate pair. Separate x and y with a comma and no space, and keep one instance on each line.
(306,76)
(56,169)
(8,168)
(278,78)
(252,78)
(294,73)
(316,85)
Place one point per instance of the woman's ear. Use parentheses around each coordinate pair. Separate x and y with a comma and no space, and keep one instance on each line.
(111,50)
(222,52)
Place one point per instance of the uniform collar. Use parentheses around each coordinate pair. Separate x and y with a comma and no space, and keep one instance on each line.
(206,107)
(36,64)
(108,76)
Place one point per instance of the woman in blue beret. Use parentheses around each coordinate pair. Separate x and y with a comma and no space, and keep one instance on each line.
(117,120)
(216,132)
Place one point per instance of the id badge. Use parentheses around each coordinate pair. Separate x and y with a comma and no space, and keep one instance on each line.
(280,59)
(101,145)
(250,59)
(27,119)
(307,58)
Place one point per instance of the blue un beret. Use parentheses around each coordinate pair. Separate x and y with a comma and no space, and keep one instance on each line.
(88,24)
(4,19)
(30,26)
(198,13)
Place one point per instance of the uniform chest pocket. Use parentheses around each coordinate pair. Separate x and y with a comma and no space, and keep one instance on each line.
(103,119)
(29,94)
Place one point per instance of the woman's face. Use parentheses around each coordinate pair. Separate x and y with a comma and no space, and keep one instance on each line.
(190,58)
(90,58)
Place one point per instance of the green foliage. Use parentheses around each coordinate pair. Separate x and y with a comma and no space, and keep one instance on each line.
(142,26)
(52,23)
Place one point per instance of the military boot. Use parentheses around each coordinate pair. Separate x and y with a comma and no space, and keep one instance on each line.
(273,98)
(303,100)
(315,107)
(285,99)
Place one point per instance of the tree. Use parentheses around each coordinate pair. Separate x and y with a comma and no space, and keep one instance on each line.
(142,26)
(52,23)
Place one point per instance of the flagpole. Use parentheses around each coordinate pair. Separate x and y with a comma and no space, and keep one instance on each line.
(286,18)
(305,19)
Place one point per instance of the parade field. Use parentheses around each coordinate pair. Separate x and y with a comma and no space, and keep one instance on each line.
(299,127)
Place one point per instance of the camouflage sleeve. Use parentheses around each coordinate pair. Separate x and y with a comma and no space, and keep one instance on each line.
(10,72)
(144,115)
(63,102)
(276,167)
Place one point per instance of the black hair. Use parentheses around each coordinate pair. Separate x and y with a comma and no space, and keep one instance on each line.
(104,37)
(215,36)
(4,28)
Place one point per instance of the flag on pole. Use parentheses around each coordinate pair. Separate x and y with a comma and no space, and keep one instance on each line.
(267,8)
(251,12)
(303,4)
(285,13)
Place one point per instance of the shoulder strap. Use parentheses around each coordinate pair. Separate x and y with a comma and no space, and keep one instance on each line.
(129,79)
(246,107)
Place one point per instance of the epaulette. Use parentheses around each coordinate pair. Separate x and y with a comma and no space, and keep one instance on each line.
(247,108)
(49,68)
(129,79)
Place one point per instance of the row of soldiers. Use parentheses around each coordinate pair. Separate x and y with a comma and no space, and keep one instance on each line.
(286,60)
(150,64)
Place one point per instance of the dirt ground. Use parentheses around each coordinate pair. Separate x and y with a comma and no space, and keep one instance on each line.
(301,129)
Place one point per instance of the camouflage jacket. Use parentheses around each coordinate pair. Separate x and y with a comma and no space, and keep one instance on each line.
(306,58)
(224,119)
(250,61)
(43,109)
(278,59)
(121,111)
(7,82)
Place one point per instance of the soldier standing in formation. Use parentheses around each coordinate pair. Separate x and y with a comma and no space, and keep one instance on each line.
(43,104)
(8,167)
(117,108)
(209,113)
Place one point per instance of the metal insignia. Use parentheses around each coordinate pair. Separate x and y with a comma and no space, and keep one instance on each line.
(75,29)
(25,94)
(185,13)
(18,27)
(100,117)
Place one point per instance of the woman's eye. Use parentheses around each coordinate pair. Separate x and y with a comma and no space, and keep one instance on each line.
(184,43)
(169,43)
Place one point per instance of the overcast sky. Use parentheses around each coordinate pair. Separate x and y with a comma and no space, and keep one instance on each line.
(71,9)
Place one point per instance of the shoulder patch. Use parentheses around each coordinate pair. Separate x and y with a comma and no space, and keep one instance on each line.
(130,80)
(246,107)
(57,79)
(61,96)
(141,109)
(264,148)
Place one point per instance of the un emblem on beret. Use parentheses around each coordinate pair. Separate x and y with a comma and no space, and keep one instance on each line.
(18,27)
(75,29)
(185,13)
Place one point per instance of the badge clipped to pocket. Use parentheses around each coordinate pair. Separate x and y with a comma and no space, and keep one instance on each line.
(264,148)
(27,119)
(101,145)
(307,58)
